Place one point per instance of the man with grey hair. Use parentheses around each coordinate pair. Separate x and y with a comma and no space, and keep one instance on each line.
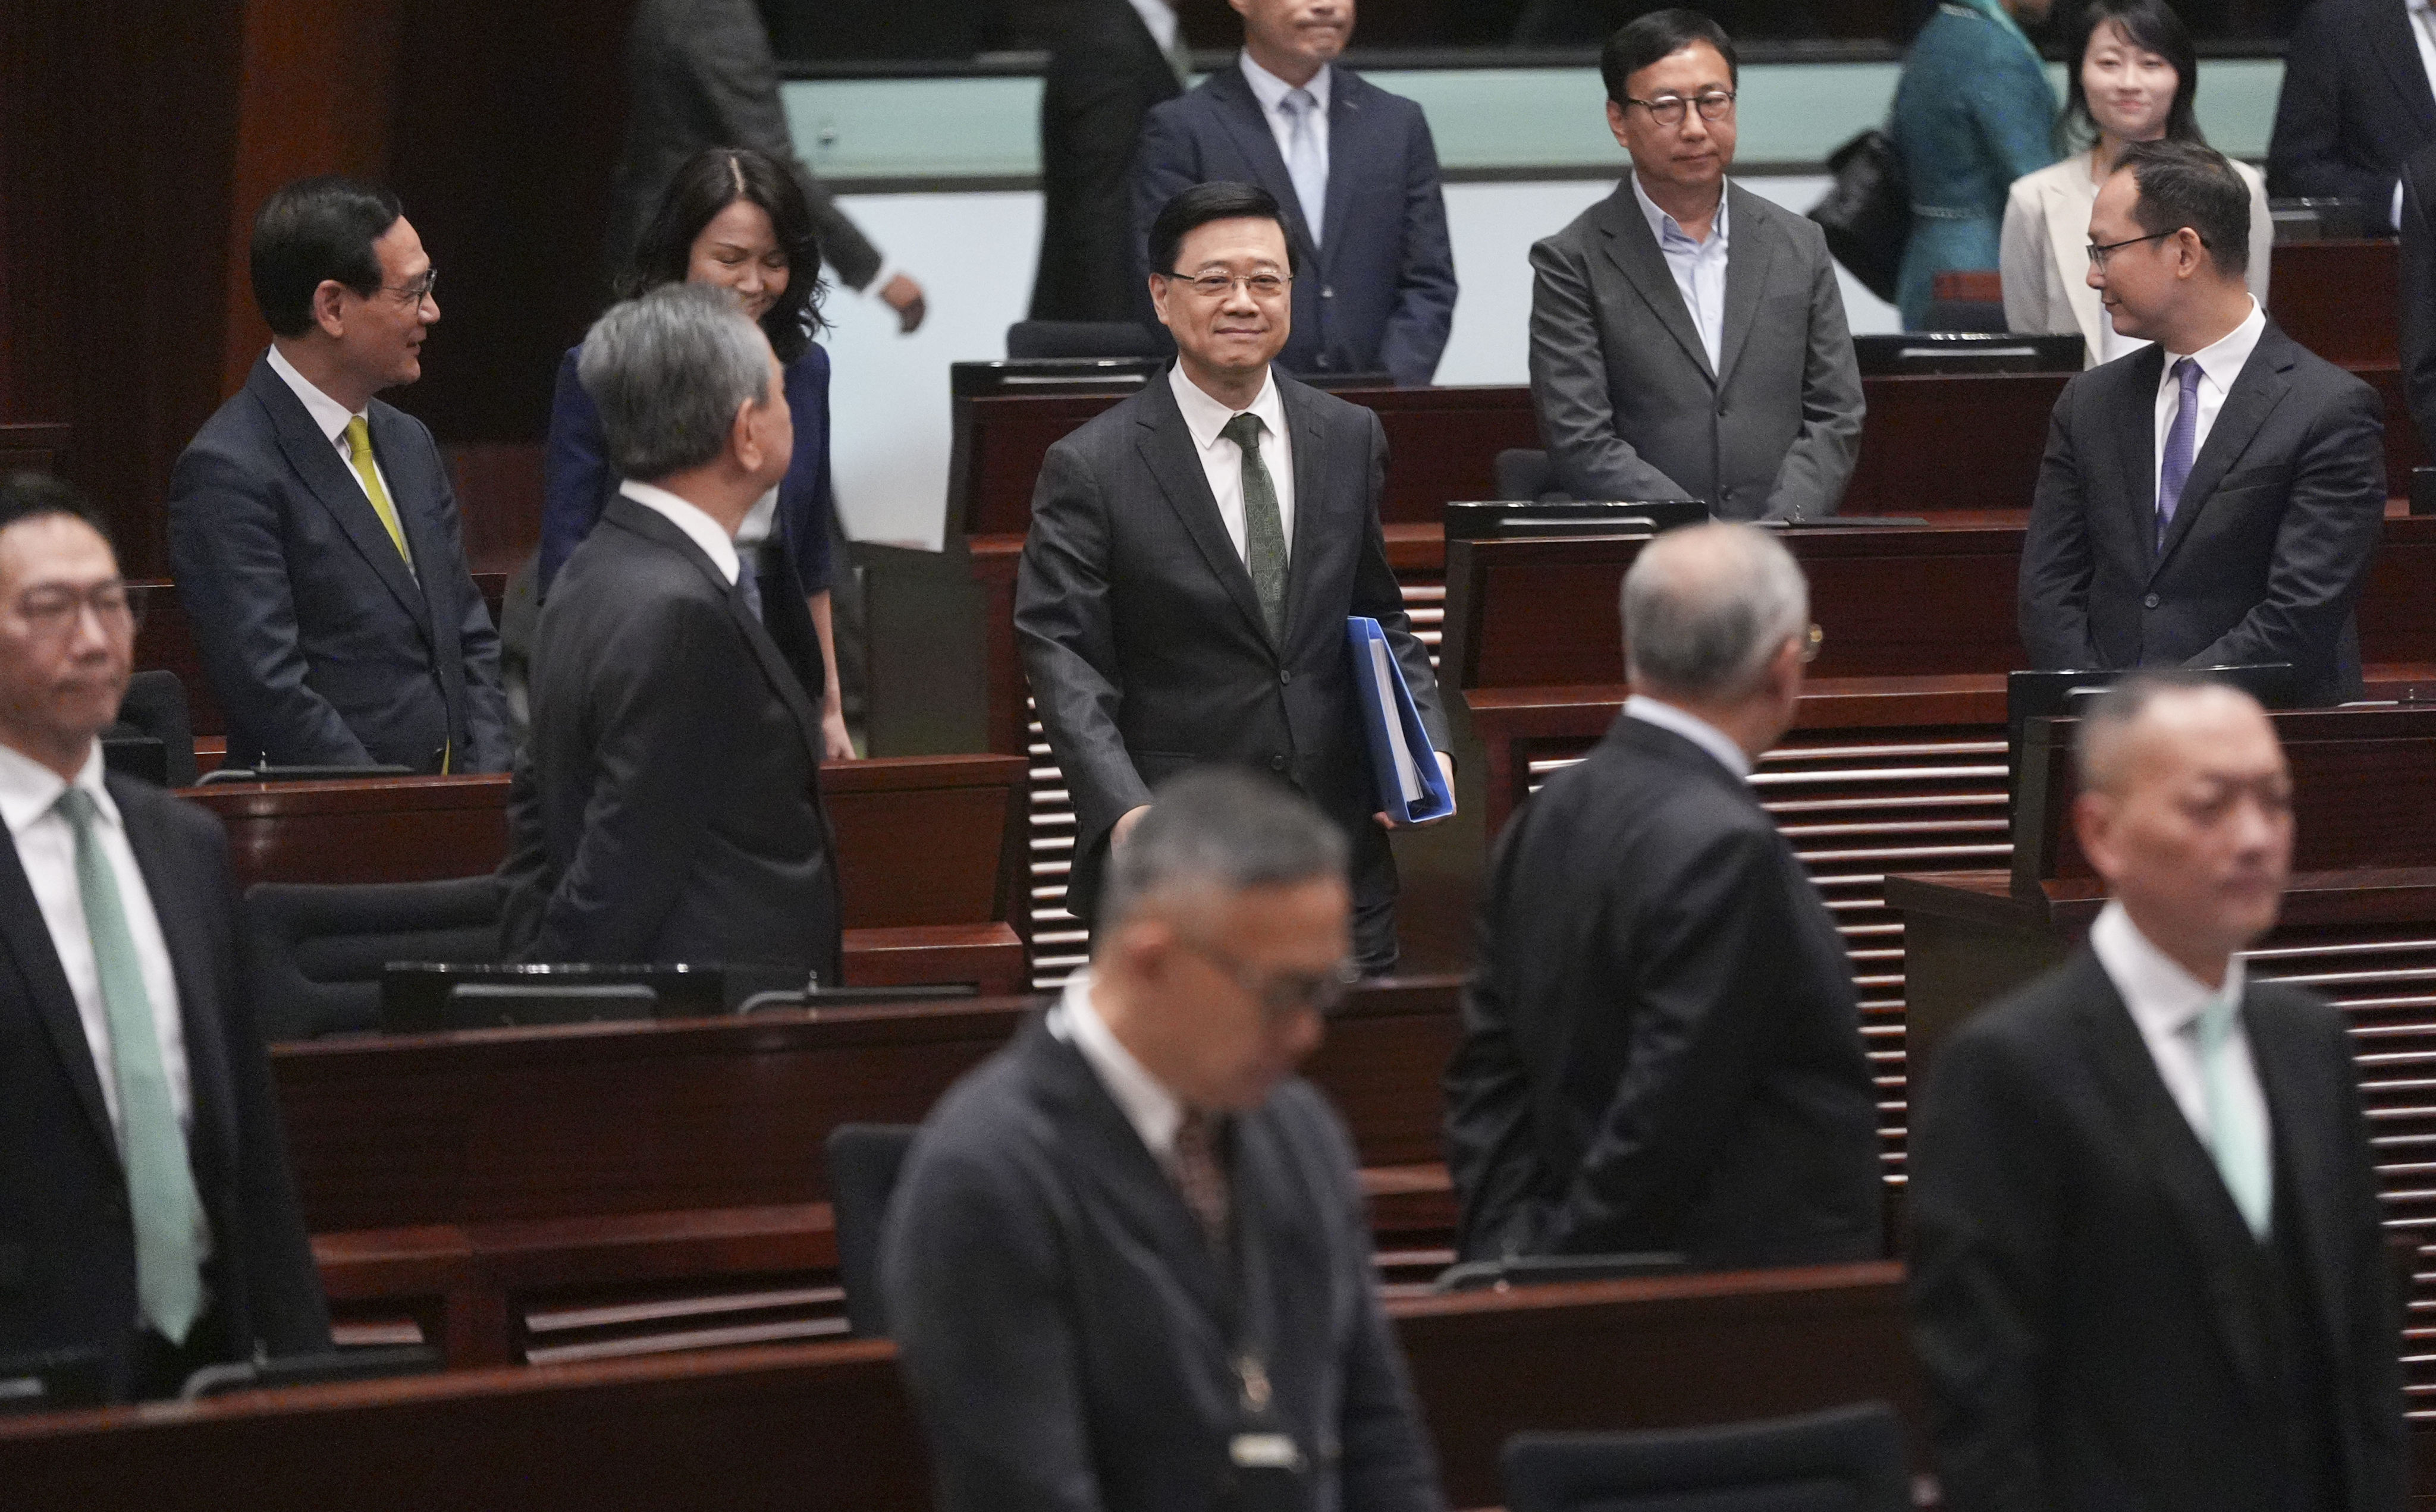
(2148,1264)
(1127,1267)
(667,808)
(1662,1045)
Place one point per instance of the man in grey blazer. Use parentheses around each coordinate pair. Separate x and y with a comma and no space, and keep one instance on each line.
(1127,1267)
(1687,335)
(2213,498)
(1194,553)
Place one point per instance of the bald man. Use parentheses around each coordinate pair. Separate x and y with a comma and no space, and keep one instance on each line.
(1661,1041)
(2147,1260)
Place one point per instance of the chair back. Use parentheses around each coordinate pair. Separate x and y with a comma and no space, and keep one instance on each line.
(865,1161)
(1523,472)
(312,953)
(1081,339)
(155,706)
(1848,1459)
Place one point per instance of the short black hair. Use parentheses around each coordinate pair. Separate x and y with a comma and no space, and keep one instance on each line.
(2152,26)
(2190,183)
(711,181)
(315,230)
(27,494)
(1206,202)
(1644,39)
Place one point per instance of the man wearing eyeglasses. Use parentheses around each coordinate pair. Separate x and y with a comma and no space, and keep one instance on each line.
(1688,336)
(148,1218)
(2211,499)
(312,528)
(1194,555)
(1127,1266)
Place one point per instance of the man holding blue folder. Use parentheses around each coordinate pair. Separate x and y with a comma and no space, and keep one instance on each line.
(1195,556)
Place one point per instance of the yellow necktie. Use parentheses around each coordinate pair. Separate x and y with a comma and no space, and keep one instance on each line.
(360,451)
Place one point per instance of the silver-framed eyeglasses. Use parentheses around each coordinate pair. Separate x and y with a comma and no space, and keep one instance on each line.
(1667,110)
(2099,251)
(415,290)
(1214,284)
(53,612)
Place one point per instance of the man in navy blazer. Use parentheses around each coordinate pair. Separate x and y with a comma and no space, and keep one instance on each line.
(312,530)
(1353,166)
(2356,103)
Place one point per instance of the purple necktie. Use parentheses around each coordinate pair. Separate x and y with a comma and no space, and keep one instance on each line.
(2180,441)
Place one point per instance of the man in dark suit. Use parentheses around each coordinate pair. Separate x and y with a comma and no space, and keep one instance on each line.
(2356,103)
(2148,1262)
(312,530)
(147,1211)
(2418,290)
(1127,1266)
(2211,499)
(700,72)
(1106,71)
(668,809)
(1662,1047)
(1355,167)
(1193,556)
(1688,336)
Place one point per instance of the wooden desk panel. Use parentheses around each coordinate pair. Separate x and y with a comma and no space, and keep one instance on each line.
(2341,299)
(368,829)
(1951,442)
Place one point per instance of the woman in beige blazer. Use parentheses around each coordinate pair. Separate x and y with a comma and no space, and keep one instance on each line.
(2135,78)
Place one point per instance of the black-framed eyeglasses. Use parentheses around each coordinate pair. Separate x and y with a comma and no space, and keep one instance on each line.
(1285,993)
(415,290)
(1667,110)
(53,612)
(1218,285)
(2099,251)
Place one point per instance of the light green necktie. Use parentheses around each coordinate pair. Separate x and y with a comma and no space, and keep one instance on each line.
(160,1180)
(1264,531)
(2235,1136)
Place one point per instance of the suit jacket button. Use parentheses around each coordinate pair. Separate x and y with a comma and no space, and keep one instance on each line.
(1276,763)
(2150,602)
(1327,291)
(1285,676)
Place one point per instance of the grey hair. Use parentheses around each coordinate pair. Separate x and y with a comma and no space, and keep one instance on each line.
(1222,831)
(2098,741)
(668,370)
(1706,606)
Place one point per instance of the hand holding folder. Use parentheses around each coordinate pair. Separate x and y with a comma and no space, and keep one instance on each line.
(1413,787)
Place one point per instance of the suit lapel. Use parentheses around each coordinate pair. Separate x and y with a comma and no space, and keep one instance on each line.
(1749,249)
(27,940)
(1310,435)
(1634,252)
(178,904)
(1166,446)
(1348,149)
(412,487)
(2257,390)
(334,486)
(2135,441)
(1238,113)
(2390,37)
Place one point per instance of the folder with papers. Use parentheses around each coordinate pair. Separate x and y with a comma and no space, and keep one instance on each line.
(1412,788)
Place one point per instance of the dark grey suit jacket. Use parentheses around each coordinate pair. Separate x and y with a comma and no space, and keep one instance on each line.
(2355,103)
(1662,1044)
(1627,403)
(2267,547)
(700,74)
(1060,1316)
(323,648)
(669,806)
(1144,643)
(1105,74)
(2078,1303)
(2418,280)
(67,1243)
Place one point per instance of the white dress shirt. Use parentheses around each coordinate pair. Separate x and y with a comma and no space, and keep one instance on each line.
(1154,1112)
(698,527)
(1161,18)
(1699,266)
(2166,1001)
(1692,728)
(330,417)
(1222,460)
(1271,92)
(2219,365)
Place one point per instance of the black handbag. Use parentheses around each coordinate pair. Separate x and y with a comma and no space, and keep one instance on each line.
(1867,213)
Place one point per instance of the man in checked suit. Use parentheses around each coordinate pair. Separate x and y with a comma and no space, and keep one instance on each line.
(146,1210)
(1687,335)
(1194,553)
(1353,166)
(669,806)
(312,530)
(2149,1261)
(2213,498)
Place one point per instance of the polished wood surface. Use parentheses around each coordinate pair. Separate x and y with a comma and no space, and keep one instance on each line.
(361,829)
(2342,300)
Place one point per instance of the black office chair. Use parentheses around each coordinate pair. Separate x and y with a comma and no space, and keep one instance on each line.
(1524,474)
(312,954)
(155,707)
(1962,315)
(1082,338)
(864,1160)
(1849,1459)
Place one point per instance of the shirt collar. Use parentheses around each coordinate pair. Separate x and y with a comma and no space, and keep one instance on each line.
(1153,1110)
(2163,998)
(689,517)
(1271,91)
(1662,225)
(329,416)
(1159,17)
(29,789)
(1205,417)
(2223,360)
(1692,728)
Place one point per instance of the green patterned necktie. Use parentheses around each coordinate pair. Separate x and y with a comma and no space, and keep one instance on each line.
(2235,1137)
(1264,531)
(160,1180)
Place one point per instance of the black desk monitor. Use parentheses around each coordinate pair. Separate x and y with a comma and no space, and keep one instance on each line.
(1513,519)
(420,998)
(1937,352)
(1013,376)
